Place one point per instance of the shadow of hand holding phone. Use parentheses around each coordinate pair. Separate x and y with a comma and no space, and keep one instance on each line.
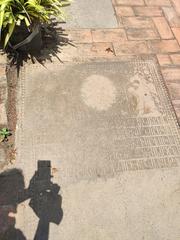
(44,196)
(45,200)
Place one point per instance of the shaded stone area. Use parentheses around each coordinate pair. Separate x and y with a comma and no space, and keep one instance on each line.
(45,201)
(98,119)
(91,14)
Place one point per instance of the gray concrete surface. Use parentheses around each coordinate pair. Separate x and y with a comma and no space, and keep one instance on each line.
(90,14)
(138,205)
(112,138)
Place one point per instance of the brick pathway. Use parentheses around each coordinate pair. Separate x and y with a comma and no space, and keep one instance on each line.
(145,27)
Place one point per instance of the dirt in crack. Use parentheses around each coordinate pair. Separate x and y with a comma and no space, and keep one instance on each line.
(12,80)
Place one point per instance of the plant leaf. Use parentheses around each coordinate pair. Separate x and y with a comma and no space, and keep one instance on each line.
(9,33)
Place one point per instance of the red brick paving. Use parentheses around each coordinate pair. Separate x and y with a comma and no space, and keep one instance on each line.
(158,3)
(148,11)
(163,27)
(175,59)
(164,59)
(146,27)
(109,35)
(124,11)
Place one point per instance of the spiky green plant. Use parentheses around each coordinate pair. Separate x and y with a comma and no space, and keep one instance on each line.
(4,133)
(15,12)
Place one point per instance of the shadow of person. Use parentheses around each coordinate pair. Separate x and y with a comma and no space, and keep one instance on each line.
(45,200)
(11,182)
(44,196)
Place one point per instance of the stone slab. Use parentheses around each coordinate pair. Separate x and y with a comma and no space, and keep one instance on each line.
(99,124)
(106,118)
(91,14)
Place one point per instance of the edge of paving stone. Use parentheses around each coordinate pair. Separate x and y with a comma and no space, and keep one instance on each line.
(8,118)
(3,104)
(3,91)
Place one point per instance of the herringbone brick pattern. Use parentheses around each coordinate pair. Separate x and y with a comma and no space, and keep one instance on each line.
(145,27)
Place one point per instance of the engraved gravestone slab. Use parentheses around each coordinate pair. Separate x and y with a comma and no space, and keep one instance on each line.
(98,119)
(91,14)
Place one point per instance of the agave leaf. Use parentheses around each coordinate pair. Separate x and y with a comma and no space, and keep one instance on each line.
(13,12)
(4,4)
(27,21)
(1,18)
(20,16)
(9,33)
(18,22)
(10,21)
(24,10)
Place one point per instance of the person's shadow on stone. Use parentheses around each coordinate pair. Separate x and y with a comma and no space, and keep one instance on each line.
(44,200)
(11,182)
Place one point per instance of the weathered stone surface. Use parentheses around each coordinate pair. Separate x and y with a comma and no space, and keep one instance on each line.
(111,117)
(97,122)
(94,14)
(171,74)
